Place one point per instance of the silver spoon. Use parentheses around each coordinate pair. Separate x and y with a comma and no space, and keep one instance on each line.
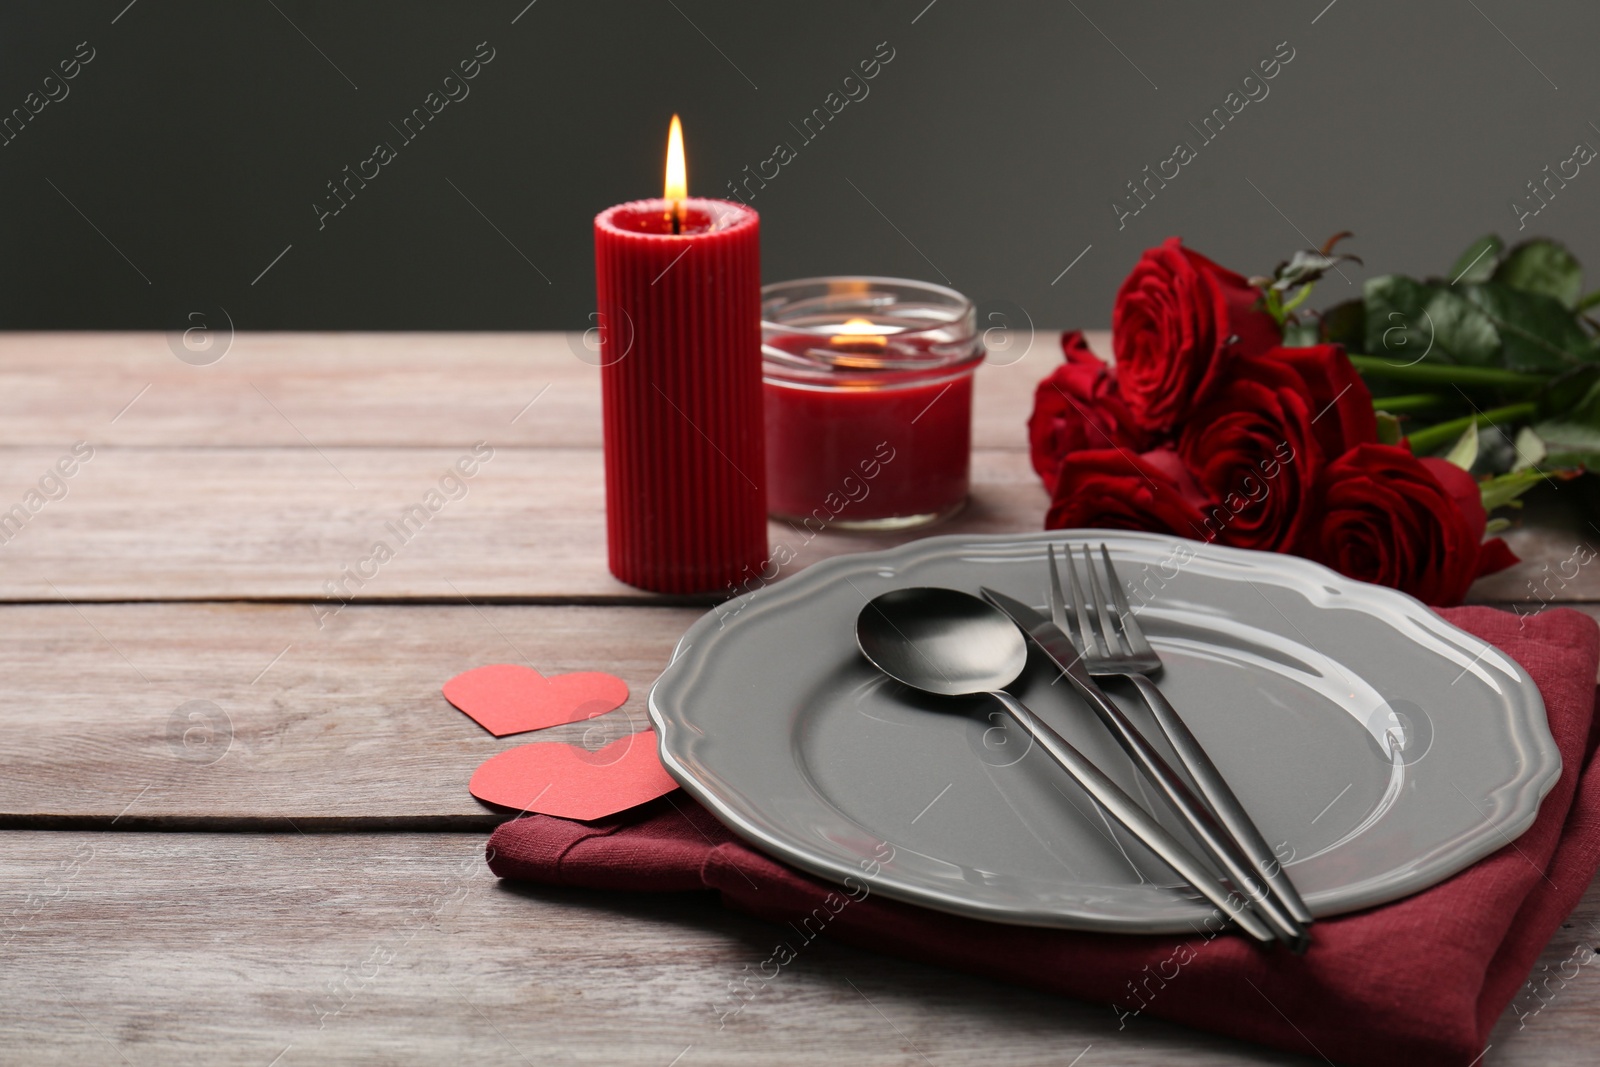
(950,643)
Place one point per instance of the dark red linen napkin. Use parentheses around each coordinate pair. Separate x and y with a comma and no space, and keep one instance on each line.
(1417,982)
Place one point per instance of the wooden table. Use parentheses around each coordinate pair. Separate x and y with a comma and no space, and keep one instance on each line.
(237,823)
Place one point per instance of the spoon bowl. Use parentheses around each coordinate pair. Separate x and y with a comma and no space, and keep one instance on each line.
(941,641)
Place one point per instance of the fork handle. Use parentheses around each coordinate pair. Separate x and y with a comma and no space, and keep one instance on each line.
(1197,818)
(1140,823)
(1214,788)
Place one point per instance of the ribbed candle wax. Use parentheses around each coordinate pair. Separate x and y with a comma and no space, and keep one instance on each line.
(680,352)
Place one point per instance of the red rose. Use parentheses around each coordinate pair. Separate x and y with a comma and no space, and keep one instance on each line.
(1384,516)
(1255,328)
(1253,450)
(1174,319)
(1118,489)
(1493,554)
(1344,417)
(1076,408)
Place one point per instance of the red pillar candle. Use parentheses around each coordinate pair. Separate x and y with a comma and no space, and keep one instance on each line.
(679,282)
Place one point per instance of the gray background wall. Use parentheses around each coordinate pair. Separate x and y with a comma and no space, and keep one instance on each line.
(189,152)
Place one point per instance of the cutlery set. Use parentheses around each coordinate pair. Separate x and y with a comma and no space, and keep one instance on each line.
(815,742)
(950,643)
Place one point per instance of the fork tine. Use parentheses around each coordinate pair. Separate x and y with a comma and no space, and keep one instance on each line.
(1091,639)
(1108,629)
(1058,607)
(1131,630)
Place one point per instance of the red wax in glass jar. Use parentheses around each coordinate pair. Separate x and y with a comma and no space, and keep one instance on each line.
(679,325)
(868,401)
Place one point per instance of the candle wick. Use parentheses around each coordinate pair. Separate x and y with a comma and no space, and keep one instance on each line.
(677,218)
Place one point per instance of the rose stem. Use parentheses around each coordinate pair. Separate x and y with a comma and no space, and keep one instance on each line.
(1440,374)
(1426,441)
(1399,405)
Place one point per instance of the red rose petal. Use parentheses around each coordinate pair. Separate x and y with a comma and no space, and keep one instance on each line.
(1495,555)
(1463,489)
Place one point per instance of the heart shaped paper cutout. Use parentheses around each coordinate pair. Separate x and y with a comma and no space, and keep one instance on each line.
(506,698)
(554,778)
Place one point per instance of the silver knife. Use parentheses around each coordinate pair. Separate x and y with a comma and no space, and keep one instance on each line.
(1055,643)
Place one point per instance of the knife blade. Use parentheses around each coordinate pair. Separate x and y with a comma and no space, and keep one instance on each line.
(1050,638)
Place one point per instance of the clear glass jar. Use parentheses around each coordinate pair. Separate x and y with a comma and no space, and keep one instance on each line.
(868,401)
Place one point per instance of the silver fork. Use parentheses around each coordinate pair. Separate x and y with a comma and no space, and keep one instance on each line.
(1117,648)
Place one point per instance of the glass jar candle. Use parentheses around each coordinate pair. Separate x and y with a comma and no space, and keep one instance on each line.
(868,386)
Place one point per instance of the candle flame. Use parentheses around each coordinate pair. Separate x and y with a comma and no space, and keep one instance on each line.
(859,333)
(857,326)
(677,186)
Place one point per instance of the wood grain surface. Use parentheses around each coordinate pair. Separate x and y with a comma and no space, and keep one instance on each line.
(174,660)
(246,523)
(338,390)
(286,949)
(218,716)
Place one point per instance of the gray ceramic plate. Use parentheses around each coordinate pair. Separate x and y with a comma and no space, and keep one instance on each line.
(1378,748)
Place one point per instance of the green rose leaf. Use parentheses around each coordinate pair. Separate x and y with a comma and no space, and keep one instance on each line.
(1346,324)
(1304,268)
(1389,432)
(1573,439)
(1464,453)
(1505,489)
(1537,333)
(1531,450)
(1568,391)
(1461,328)
(1407,321)
(1574,460)
(1542,266)
(1478,262)
(1396,328)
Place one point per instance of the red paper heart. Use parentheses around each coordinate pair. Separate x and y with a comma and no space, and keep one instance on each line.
(505,698)
(554,778)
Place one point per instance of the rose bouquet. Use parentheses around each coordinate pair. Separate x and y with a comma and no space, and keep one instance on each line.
(1227,417)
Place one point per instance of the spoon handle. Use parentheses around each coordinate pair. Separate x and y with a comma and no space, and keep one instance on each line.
(1135,819)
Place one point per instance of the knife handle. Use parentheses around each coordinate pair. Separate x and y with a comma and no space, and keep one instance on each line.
(1215,789)
(1216,843)
(1121,807)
